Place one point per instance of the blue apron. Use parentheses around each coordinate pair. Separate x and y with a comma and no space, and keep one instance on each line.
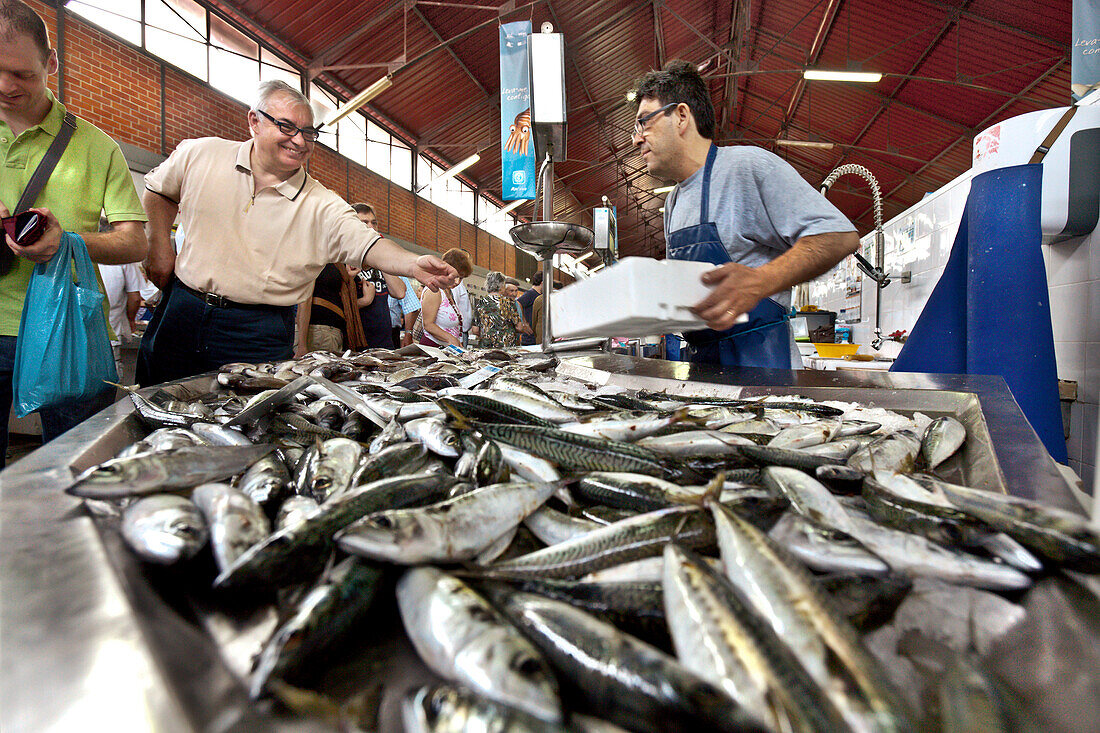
(762,341)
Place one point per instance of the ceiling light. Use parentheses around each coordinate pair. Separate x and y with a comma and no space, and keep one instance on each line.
(805,144)
(514,205)
(451,172)
(661,210)
(360,99)
(664,189)
(860,76)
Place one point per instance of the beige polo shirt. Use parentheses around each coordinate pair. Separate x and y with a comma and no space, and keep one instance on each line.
(251,246)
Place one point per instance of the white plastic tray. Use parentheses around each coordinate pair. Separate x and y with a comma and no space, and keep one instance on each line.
(637,296)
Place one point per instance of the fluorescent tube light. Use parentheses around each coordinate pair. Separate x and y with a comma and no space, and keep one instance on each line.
(451,172)
(663,189)
(360,99)
(860,76)
(806,144)
(514,205)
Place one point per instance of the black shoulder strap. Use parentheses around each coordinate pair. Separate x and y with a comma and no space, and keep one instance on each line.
(47,164)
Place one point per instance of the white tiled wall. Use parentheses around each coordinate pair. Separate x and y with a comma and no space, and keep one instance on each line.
(920,240)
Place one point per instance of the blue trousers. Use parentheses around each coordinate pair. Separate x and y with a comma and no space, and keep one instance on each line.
(56,419)
(187,337)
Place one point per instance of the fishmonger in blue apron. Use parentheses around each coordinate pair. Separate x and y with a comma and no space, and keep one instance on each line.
(765,339)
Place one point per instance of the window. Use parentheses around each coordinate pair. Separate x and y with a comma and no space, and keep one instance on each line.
(401,158)
(353,138)
(175,30)
(324,106)
(236,59)
(121,17)
(273,67)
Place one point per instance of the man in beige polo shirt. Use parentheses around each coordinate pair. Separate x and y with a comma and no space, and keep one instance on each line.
(258,231)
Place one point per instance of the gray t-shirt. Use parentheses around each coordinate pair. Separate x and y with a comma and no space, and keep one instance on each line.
(759,203)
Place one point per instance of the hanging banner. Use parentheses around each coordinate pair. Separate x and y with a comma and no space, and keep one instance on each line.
(517,151)
(1085,61)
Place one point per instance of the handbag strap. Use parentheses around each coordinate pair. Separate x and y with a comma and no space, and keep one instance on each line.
(47,164)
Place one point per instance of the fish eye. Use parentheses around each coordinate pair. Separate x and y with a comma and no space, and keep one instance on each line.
(529,666)
(383,522)
(109,469)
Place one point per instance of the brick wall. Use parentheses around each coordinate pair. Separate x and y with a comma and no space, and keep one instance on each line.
(118,88)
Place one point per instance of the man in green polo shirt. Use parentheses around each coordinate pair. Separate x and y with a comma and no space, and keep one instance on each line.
(91,177)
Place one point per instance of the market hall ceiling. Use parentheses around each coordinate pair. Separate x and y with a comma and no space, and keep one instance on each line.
(951,69)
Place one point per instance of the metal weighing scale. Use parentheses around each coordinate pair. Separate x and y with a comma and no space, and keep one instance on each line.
(544,239)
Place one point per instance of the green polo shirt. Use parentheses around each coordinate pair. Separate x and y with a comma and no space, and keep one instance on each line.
(91,177)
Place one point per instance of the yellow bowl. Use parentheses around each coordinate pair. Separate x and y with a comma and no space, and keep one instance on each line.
(836,350)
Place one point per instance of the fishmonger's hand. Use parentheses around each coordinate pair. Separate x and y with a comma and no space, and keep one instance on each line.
(736,289)
(44,248)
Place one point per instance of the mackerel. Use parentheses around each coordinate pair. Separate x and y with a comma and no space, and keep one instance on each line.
(146,473)
(235,520)
(324,620)
(779,589)
(463,638)
(638,537)
(452,530)
(721,637)
(627,680)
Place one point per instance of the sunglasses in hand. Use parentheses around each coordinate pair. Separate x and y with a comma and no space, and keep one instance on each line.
(25,228)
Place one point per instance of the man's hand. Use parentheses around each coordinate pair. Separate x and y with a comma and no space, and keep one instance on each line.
(46,247)
(159,266)
(434,273)
(736,290)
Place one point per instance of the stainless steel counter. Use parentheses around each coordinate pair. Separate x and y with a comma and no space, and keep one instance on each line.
(88,635)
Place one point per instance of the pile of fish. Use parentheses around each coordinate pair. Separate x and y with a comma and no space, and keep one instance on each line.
(573,558)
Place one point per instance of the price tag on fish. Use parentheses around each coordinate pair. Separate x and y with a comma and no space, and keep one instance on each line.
(478,377)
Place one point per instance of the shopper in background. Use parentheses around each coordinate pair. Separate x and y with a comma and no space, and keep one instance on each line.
(90,177)
(465,309)
(259,232)
(499,322)
(323,316)
(525,302)
(740,208)
(536,312)
(442,318)
(375,289)
(403,314)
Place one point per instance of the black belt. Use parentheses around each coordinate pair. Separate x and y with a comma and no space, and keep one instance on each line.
(220,301)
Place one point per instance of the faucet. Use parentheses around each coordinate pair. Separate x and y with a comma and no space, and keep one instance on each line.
(898,336)
(876,271)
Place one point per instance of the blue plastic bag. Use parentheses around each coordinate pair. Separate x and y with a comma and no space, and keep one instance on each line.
(63,354)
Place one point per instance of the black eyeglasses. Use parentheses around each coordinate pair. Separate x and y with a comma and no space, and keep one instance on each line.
(309,134)
(642,122)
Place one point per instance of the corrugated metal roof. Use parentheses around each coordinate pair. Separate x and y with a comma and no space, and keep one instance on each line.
(953,67)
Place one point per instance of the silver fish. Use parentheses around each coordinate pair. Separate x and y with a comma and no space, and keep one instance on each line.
(539,407)
(447,709)
(941,439)
(146,473)
(236,522)
(696,443)
(336,464)
(452,530)
(805,436)
(392,434)
(463,638)
(294,510)
(552,526)
(267,480)
(627,680)
(823,549)
(435,435)
(215,434)
(163,528)
(630,428)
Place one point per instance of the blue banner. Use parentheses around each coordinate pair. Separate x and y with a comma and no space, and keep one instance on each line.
(517,149)
(1085,61)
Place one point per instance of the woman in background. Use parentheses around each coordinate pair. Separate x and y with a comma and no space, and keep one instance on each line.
(498,319)
(441,316)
